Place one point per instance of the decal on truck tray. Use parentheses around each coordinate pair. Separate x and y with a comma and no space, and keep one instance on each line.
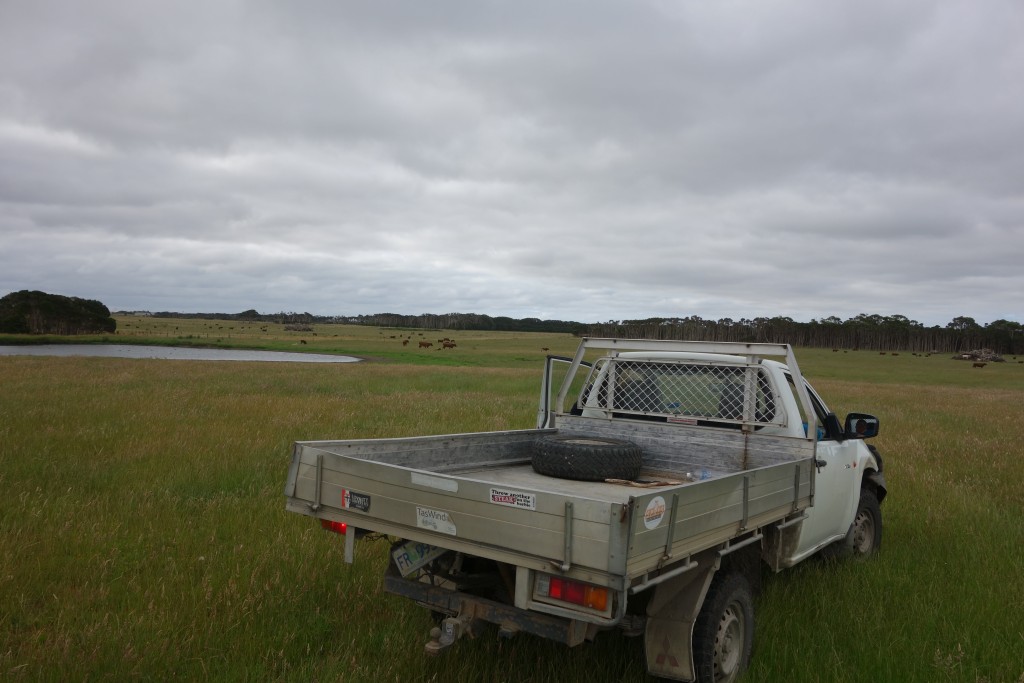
(654,513)
(355,501)
(515,499)
(435,520)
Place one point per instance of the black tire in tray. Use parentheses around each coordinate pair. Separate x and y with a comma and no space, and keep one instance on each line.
(586,458)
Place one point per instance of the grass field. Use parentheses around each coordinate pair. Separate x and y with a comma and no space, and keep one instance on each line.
(143,532)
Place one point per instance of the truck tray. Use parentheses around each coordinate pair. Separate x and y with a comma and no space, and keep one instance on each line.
(477,493)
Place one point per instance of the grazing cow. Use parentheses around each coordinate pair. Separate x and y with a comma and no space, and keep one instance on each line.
(302,341)
(405,342)
(978,365)
(448,345)
(426,344)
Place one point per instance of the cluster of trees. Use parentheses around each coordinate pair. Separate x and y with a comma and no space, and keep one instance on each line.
(251,316)
(426,321)
(884,333)
(34,312)
(468,321)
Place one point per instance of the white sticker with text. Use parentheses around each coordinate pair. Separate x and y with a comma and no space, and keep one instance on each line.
(435,520)
(515,499)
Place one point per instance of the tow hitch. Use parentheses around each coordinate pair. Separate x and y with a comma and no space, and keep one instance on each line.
(450,630)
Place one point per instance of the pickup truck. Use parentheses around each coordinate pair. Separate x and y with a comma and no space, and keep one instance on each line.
(659,479)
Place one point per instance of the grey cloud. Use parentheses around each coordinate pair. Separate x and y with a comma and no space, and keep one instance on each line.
(585,161)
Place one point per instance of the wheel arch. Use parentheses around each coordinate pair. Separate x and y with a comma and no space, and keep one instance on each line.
(875,481)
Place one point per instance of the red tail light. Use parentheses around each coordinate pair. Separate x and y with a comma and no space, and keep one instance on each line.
(336,527)
(575,592)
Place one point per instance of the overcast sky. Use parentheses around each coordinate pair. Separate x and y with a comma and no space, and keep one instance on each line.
(582,161)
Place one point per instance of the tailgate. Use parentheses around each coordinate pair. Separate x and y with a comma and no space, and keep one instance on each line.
(474,493)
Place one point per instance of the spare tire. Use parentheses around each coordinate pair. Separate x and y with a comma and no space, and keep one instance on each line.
(586,458)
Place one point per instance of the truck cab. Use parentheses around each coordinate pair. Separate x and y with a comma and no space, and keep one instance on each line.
(749,393)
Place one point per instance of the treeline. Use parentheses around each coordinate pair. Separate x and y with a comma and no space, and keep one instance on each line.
(873,332)
(446,321)
(34,312)
(469,321)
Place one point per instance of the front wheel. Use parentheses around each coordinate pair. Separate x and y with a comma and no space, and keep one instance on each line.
(723,634)
(865,535)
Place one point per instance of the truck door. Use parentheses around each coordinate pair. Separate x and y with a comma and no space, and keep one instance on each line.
(835,484)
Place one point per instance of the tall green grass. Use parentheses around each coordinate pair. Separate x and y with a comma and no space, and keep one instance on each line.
(143,535)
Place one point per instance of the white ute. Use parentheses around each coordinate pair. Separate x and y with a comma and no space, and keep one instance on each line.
(660,477)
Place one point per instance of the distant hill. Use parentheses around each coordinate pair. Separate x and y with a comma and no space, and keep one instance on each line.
(34,312)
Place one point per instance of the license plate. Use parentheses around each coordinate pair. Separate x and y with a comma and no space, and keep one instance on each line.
(412,555)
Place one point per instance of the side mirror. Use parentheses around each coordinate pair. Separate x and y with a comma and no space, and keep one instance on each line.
(861,426)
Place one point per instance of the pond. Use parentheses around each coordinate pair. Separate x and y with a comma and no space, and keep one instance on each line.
(169,353)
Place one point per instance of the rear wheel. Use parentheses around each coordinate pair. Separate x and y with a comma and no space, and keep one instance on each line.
(723,634)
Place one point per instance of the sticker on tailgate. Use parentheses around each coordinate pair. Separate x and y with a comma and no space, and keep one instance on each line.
(435,520)
(655,512)
(515,499)
(355,501)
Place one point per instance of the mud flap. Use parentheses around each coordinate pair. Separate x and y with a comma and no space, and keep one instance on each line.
(670,617)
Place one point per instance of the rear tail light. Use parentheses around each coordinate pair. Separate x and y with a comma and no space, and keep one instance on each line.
(336,527)
(575,592)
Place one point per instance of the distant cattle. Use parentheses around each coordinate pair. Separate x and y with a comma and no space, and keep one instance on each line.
(978,365)
(426,344)
(405,342)
(448,344)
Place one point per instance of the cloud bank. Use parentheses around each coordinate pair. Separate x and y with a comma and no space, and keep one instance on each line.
(577,161)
